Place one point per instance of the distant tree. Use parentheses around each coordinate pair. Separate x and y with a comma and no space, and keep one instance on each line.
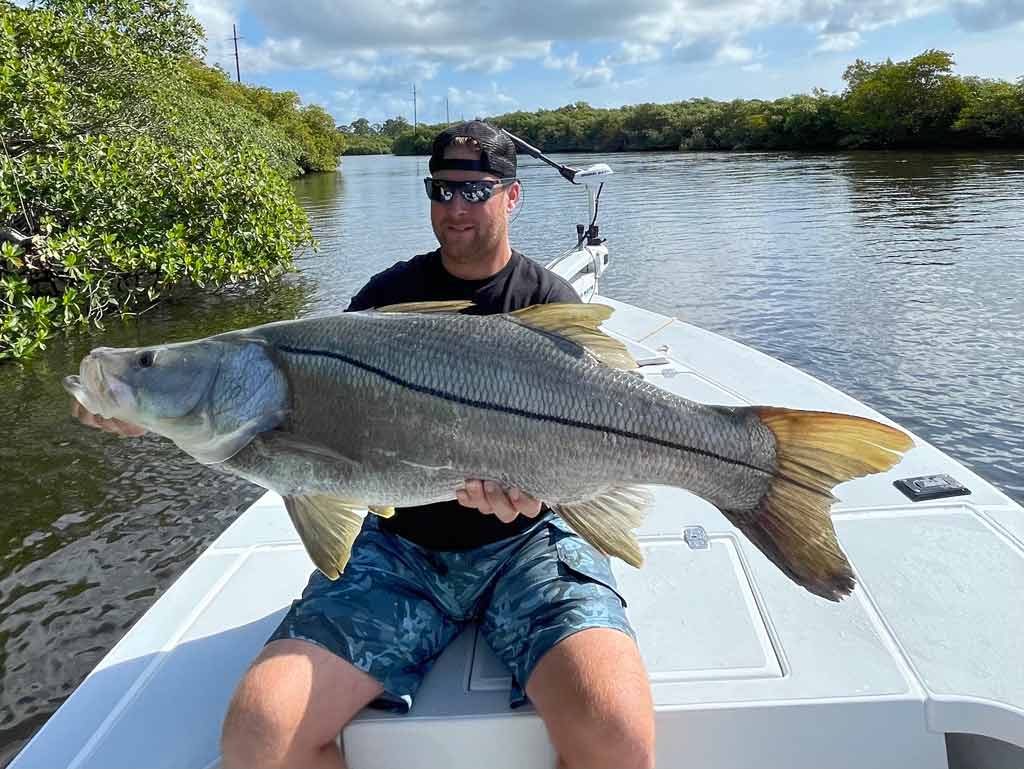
(994,111)
(360,127)
(904,103)
(394,126)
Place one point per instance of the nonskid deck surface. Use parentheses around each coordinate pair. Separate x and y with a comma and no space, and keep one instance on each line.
(746,668)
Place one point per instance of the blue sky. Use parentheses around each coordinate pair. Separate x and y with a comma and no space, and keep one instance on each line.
(360,59)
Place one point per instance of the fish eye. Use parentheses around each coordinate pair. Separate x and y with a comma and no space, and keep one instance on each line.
(146,359)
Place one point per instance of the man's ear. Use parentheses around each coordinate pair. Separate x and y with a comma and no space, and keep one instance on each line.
(513,199)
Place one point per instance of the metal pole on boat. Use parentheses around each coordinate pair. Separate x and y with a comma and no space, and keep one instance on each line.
(532,151)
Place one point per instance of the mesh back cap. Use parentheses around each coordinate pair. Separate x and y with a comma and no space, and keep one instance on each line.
(497,152)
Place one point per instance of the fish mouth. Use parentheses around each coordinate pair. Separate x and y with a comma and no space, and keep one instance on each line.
(96,391)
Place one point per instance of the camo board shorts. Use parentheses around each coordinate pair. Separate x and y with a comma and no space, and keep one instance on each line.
(398,605)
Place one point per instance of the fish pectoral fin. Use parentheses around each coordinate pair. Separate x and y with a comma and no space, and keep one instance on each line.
(607,521)
(579,323)
(382,511)
(280,441)
(327,527)
(222,446)
(446,306)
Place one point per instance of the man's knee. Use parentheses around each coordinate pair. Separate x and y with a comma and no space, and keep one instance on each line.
(595,698)
(258,729)
(624,740)
(291,705)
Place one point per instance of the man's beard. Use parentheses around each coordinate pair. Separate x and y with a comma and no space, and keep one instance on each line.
(483,243)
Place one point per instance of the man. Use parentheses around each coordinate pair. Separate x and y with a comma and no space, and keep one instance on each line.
(561,630)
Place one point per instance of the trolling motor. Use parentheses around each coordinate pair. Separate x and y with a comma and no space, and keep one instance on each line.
(591,177)
(584,263)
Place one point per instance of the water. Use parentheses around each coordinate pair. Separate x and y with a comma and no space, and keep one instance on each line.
(891,276)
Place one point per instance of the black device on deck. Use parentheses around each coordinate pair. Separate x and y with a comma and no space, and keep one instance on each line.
(926,487)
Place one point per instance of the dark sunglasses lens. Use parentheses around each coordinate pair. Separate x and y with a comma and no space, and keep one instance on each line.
(477,192)
(437,190)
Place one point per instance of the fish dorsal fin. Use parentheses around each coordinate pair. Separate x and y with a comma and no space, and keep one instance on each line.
(579,323)
(457,305)
(327,527)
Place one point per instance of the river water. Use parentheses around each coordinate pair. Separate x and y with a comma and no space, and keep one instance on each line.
(894,277)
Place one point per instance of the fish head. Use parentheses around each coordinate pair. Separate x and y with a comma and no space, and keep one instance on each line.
(209,396)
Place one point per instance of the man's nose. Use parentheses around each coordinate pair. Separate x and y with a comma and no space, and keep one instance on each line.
(459,206)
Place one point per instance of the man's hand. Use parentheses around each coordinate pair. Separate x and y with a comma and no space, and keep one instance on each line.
(492,498)
(116,426)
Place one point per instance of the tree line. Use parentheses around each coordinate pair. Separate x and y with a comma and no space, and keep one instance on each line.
(130,171)
(913,104)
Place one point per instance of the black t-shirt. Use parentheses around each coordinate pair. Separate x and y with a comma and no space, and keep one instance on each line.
(521,283)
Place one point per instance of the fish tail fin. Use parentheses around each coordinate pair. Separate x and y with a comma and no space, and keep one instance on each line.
(815,451)
(607,521)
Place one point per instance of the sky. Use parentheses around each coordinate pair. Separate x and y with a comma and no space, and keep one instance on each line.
(360,58)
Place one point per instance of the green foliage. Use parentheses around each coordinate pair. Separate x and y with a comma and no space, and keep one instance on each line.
(372,144)
(416,142)
(297,139)
(994,112)
(134,174)
(906,103)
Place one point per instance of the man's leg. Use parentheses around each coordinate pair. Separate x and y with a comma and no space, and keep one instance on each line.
(373,631)
(291,705)
(591,689)
(555,617)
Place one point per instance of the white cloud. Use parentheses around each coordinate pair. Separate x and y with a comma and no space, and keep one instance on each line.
(636,53)
(582,76)
(734,54)
(838,41)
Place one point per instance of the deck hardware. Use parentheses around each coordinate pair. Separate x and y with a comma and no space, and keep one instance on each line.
(656,360)
(924,487)
(696,537)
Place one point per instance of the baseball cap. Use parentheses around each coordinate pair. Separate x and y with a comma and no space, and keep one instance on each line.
(497,152)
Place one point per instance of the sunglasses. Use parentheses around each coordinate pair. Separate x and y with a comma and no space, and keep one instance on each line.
(443,191)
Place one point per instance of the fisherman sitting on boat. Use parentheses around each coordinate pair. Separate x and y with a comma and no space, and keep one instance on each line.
(545,599)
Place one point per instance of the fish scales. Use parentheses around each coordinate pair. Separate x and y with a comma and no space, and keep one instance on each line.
(481,399)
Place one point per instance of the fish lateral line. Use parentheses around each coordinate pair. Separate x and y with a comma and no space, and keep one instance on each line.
(514,411)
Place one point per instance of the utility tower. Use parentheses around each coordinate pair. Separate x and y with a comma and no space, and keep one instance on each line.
(234,36)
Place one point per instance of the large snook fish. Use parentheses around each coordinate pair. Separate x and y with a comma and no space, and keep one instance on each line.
(400,405)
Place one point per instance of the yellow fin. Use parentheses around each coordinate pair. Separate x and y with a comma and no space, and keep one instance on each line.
(327,527)
(383,512)
(579,323)
(446,306)
(607,521)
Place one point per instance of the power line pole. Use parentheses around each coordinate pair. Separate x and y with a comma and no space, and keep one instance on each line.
(447,118)
(415,120)
(234,36)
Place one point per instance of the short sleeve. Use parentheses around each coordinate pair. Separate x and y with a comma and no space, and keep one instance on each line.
(364,299)
(561,291)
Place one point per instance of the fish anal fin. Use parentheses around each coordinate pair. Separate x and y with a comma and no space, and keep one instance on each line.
(578,323)
(607,521)
(457,305)
(327,527)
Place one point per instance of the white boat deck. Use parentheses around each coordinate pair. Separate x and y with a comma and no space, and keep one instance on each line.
(747,669)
